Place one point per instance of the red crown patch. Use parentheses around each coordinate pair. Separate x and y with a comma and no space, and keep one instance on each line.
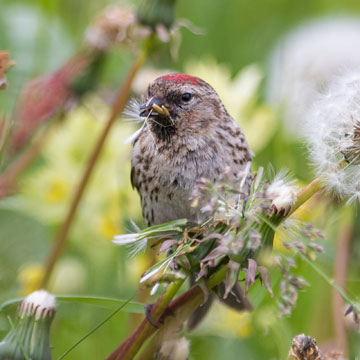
(181,78)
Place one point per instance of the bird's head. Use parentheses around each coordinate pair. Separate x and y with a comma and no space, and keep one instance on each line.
(180,103)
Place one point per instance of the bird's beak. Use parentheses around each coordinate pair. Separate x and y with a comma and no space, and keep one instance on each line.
(154,106)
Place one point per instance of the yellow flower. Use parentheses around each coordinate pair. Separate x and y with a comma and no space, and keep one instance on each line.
(109,201)
(223,320)
(240,97)
(56,191)
(137,266)
(279,238)
(30,277)
(109,223)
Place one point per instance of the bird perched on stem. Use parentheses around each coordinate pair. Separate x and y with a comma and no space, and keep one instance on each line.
(187,135)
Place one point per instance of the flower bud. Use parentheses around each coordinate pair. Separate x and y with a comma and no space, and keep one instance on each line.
(157,12)
(5,64)
(29,337)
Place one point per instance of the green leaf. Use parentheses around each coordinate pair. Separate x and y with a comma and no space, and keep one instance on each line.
(131,306)
(105,302)
(175,226)
(23,240)
(8,303)
(119,308)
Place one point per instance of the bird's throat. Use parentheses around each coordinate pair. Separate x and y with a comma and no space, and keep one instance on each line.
(163,128)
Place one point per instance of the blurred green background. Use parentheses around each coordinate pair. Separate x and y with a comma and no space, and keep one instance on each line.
(238,38)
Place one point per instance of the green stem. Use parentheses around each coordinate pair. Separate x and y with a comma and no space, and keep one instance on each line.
(306,193)
(94,329)
(185,304)
(181,308)
(9,177)
(18,340)
(332,283)
(129,348)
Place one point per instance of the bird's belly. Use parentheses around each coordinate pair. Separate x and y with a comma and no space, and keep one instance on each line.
(169,205)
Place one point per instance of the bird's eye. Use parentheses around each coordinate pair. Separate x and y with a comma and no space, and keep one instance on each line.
(186,97)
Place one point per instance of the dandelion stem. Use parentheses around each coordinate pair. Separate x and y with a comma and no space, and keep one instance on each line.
(332,283)
(117,107)
(18,340)
(306,193)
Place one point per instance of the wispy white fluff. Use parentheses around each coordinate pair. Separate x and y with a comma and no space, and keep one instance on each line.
(41,303)
(328,127)
(134,136)
(136,243)
(282,191)
(151,273)
(176,349)
(306,59)
(131,113)
(154,289)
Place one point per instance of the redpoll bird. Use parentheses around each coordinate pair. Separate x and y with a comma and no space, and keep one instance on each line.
(188,135)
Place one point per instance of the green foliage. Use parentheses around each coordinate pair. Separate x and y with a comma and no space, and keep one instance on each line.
(22,240)
(41,36)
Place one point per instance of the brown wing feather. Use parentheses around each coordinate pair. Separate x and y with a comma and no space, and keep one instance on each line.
(133,178)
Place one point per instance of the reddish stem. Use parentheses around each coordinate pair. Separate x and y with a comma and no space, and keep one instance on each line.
(117,108)
(9,177)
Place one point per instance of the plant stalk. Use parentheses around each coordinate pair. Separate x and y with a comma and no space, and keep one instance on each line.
(306,193)
(117,108)
(180,308)
(343,246)
(128,349)
(10,175)
(185,304)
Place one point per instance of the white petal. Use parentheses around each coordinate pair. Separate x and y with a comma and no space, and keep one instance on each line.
(125,239)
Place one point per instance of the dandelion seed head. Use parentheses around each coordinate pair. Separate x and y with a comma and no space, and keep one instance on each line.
(332,131)
(135,243)
(131,112)
(305,61)
(137,247)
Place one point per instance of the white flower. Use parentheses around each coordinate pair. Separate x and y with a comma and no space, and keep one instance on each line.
(282,193)
(135,242)
(332,133)
(306,59)
(125,239)
(41,303)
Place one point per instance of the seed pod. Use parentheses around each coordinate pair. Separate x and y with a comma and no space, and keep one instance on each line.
(157,12)
(29,337)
